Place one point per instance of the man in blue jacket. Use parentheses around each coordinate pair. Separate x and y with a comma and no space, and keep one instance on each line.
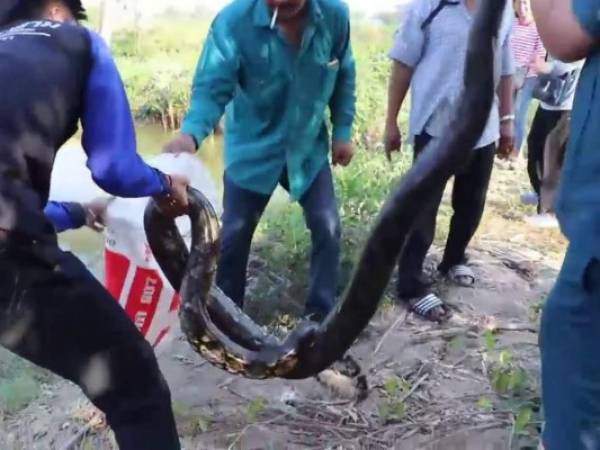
(570,30)
(275,67)
(54,74)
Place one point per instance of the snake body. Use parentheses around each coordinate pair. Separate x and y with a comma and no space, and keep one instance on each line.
(227,338)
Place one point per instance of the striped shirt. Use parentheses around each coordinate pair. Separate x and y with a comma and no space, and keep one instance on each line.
(437,55)
(526,45)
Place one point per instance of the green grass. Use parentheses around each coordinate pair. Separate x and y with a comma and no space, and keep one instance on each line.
(158,63)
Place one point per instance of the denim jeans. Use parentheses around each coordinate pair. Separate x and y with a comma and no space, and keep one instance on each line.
(522,101)
(569,338)
(242,210)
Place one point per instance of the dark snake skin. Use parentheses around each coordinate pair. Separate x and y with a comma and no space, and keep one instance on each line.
(227,338)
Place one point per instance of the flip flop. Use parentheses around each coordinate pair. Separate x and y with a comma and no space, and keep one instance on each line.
(458,274)
(425,305)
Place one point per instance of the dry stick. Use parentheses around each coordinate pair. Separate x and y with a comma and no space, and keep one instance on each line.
(247,427)
(482,427)
(411,433)
(389,330)
(414,388)
(516,327)
(512,433)
(421,338)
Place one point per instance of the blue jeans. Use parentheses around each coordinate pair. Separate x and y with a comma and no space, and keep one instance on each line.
(569,342)
(242,210)
(522,101)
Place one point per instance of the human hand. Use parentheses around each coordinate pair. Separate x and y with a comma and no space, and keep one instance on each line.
(342,153)
(184,143)
(175,203)
(392,140)
(507,140)
(95,213)
(539,65)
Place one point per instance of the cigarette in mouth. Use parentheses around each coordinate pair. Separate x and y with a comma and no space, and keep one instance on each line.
(274,19)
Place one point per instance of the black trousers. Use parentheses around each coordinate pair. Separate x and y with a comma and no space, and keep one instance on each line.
(54,313)
(543,123)
(468,202)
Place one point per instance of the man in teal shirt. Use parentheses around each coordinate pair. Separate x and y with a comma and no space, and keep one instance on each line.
(570,335)
(275,67)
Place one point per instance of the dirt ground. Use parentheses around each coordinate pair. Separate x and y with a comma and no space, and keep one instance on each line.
(471,384)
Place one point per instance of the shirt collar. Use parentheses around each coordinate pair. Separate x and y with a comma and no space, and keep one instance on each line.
(262,13)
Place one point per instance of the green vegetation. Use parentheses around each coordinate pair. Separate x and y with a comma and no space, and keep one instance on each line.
(392,408)
(158,62)
(517,396)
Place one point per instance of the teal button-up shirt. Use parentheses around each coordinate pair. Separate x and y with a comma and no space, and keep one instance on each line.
(275,96)
(578,202)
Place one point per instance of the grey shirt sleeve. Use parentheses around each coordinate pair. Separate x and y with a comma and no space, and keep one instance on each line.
(508,61)
(409,41)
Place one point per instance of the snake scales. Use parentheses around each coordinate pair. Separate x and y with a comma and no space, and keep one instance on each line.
(227,338)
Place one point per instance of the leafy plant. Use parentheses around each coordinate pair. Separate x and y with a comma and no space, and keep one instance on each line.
(392,411)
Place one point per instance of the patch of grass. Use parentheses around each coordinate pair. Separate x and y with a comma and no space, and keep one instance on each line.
(515,391)
(391,411)
(190,421)
(255,409)
(393,408)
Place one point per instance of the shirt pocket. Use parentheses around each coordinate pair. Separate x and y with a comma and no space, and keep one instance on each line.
(330,75)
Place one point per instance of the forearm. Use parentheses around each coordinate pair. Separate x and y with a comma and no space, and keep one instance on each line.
(204,114)
(343,101)
(560,30)
(343,105)
(398,88)
(65,215)
(505,95)
(214,83)
(109,135)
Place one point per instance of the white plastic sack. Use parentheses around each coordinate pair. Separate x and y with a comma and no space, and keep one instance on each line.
(132,275)
(71,180)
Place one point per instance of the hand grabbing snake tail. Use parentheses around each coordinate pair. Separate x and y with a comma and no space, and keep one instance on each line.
(219,331)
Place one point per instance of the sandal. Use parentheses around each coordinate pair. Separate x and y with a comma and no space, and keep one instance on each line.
(424,307)
(462,275)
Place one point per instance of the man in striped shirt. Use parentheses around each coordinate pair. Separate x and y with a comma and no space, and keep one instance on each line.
(529,54)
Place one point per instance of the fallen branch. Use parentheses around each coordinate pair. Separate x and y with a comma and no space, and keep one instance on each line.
(482,427)
(446,334)
(247,427)
(515,327)
(402,318)
(414,388)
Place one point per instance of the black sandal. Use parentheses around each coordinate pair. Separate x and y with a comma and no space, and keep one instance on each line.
(425,305)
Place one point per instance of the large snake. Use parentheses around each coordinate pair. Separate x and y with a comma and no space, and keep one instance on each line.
(219,331)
